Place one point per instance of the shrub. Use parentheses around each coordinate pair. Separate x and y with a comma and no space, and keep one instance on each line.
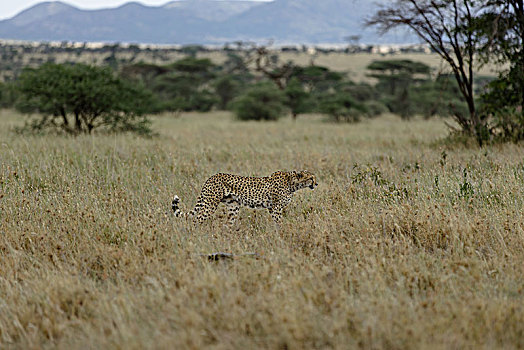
(341,107)
(375,108)
(8,95)
(264,101)
(203,101)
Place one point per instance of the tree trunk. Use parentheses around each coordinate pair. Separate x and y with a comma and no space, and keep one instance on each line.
(64,116)
(78,122)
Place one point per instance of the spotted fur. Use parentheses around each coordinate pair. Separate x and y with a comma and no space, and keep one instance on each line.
(271,192)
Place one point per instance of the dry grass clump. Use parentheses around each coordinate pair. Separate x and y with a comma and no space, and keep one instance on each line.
(405,243)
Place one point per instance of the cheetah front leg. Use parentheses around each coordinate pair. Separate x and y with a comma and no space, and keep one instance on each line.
(276,214)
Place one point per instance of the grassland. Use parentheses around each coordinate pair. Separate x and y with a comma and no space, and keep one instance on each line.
(406,244)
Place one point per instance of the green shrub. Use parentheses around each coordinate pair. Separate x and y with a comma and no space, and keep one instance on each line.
(375,108)
(341,107)
(8,95)
(264,101)
(202,101)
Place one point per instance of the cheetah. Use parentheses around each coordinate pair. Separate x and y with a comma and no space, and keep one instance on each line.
(272,192)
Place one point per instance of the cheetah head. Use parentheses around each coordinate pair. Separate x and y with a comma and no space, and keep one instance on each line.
(303,179)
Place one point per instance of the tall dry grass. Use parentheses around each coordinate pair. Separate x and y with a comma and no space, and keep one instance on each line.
(405,244)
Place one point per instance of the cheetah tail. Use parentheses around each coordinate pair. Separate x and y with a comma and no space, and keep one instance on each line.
(174,206)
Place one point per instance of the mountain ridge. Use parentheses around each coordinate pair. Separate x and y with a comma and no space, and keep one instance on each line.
(199,22)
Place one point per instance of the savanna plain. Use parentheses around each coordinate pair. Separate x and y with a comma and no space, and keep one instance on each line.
(408,242)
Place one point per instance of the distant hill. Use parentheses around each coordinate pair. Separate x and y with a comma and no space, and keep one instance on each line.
(212,10)
(199,22)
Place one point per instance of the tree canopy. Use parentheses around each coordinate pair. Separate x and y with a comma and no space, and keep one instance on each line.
(447,27)
(80,98)
(501,26)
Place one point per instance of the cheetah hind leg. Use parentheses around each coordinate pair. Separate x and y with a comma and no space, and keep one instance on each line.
(202,211)
(232,215)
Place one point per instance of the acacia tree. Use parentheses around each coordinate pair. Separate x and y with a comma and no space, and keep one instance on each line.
(80,98)
(269,65)
(297,99)
(262,60)
(395,74)
(501,26)
(396,79)
(447,26)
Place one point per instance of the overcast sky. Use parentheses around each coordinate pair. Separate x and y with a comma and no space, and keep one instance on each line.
(9,8)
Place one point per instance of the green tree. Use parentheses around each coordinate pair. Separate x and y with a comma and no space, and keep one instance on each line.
(395,80)
(501,26)
(200,67)
(439,97)
(366,96)
(145,73)
(80,98)
(8,95)
(297,99)
(186,85)
(192,50)
(398,74)
(226,88)
(263,101)
(447,26)
(317,79)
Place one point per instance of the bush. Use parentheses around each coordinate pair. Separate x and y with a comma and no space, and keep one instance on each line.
(8,95)
(374,108)
(366,99)
(341,107)
(508,125)
(264,101)
(202,101)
